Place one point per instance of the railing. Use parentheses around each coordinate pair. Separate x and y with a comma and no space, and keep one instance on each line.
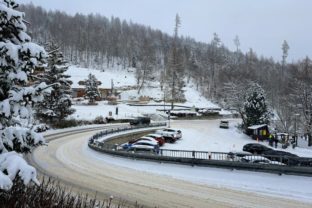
(269,163)
(122,129)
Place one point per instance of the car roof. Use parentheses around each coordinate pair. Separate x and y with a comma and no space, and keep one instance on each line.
(170,129)
(144,143)
(147,137)
(156,135)
(153,142)
(255,157)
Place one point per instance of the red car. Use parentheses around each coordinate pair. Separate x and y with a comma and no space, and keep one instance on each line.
(159,138)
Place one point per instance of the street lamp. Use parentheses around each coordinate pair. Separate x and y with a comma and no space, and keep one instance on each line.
(296,136)
(169,118)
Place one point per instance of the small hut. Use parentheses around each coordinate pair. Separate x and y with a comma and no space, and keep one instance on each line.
(258,132)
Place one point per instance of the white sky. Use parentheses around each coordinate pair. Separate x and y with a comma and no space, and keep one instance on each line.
(260,24)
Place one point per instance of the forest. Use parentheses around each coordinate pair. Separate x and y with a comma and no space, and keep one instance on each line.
(219,74)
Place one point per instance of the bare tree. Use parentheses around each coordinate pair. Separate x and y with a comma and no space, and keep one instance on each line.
(147,64)
(236,43)
(285,48)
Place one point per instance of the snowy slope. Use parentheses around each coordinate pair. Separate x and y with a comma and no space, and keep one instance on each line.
(119,77)
(125,78)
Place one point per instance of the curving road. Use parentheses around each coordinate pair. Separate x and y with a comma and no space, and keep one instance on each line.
(70,160)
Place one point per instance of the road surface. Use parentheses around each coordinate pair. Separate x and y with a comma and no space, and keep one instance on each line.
(69,159)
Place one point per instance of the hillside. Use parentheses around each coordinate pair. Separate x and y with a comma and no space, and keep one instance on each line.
(122,80)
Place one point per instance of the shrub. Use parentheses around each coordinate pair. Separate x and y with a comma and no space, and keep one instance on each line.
(51,194)
(66,124)
(99,120)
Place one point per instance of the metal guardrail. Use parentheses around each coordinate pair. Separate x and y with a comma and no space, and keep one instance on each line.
(122,129)
(267,163)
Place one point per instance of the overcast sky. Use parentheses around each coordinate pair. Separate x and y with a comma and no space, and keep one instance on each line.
(260,24)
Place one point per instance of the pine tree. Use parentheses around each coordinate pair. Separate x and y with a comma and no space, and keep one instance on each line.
(91,90)
(175,71)
(56,106)
(19,57)
(255,107)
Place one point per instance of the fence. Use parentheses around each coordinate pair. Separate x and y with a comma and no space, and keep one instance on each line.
(122,129)
(267,163)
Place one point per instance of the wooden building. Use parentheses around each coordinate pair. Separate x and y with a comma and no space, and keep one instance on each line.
(258,132)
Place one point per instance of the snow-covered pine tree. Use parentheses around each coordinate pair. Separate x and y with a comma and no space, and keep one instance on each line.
(91,89)
(18,59)
(255,106)
(57,105)
(175,71)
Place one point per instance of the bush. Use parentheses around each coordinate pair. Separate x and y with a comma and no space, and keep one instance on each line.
(100,120)
(66,124)
(51,195)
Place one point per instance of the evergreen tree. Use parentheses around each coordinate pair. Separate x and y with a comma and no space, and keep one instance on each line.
(91,90)
(175,71)
(19,57)
(57,105)
(255,107)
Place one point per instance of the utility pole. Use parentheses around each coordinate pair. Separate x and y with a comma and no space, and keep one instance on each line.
(296,136)
(169,112)
(172,90)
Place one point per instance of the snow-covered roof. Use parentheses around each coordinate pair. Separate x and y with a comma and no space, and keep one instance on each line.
(257,126)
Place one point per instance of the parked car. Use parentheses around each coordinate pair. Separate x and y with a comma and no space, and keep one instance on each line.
(279,153)
(282,156)
(158,137)
(144,138)
(237,156)
(224,124)
(144,145)
(170,135)
(255,148)
(124,146)
(259,160)
(140,121)
(255,159)
(304,161)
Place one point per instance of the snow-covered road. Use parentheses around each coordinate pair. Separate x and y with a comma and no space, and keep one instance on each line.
(168,185)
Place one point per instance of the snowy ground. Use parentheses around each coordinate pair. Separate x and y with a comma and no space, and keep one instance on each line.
(206,135)
(197,135)
(286,186)
(121,79)
(169,185)
(87,112)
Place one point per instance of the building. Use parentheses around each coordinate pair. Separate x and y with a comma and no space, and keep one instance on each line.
(258,132)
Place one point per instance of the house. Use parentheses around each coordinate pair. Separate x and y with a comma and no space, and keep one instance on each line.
(258,132)
(77,92)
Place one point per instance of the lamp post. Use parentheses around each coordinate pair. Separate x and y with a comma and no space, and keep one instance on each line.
(296,136)
(169,118)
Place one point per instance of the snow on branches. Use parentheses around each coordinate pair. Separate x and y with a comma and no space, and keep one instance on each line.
(14,165)
(57,105)
(92,91)
(255,106)
(19,58)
